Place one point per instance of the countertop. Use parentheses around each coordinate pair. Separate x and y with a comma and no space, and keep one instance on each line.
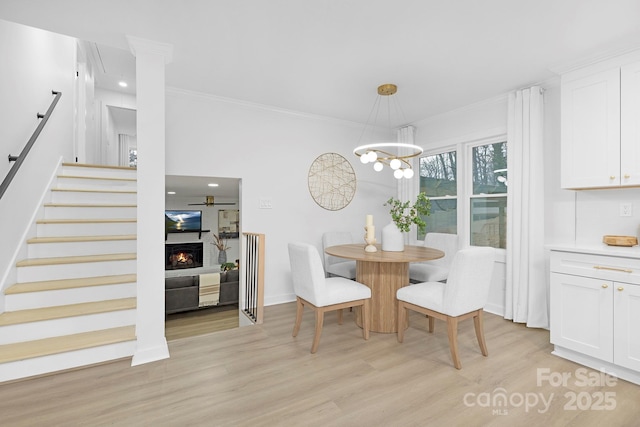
(597,249)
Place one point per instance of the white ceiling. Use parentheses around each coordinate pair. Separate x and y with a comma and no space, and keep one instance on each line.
(327,57)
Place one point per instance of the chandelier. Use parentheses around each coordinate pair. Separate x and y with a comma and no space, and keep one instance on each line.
(395,155)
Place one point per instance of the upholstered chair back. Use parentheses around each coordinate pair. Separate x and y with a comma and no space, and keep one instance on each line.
(307,272)
(448,243)
(467,288)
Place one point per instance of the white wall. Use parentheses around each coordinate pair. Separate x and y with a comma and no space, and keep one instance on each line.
(34,63)
(271,151)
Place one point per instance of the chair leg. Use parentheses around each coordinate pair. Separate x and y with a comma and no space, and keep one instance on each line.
(339,316)
(432,324)
(366,307)
(319,322)
(452,329)
(479,325)
(299,309)
(402,315)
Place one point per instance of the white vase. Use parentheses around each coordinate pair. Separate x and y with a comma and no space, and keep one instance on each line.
(392,238)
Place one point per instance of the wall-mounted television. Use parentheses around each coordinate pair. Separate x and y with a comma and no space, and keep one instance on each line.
(181,221)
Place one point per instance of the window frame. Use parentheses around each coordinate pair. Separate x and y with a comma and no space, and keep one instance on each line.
(464,161)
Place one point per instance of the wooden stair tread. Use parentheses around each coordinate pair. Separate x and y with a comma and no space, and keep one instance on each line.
(106,178)
(89,205)
(53,285)
(48,346)
(87,165)
(84,221)
(75,259)
(94,190)
(62,311)
(65,239)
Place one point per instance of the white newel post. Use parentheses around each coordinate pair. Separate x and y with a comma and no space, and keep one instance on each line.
(151,58)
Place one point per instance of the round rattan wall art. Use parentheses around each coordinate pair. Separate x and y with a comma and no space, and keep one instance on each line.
(332,181)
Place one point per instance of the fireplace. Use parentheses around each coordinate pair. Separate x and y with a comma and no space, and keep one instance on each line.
(183,255)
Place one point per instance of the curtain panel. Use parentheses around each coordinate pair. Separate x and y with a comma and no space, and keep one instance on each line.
(526,295)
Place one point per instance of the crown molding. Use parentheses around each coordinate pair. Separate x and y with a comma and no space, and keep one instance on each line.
(256,106)
(631,52)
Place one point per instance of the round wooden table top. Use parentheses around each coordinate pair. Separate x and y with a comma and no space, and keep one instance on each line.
(410,253)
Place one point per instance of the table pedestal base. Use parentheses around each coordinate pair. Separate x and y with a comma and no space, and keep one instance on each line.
(384,279)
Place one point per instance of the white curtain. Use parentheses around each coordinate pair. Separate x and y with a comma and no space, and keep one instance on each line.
(407,188)
(526,295)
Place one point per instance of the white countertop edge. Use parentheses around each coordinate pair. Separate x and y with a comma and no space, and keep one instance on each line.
(597,249)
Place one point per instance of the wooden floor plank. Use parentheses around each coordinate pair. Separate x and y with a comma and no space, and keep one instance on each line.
(261,376)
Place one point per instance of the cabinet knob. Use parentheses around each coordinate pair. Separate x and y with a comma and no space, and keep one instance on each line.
(627,176)
(605,286)
(620,288)
(612,177)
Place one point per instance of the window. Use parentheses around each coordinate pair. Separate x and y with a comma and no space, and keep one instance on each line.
(471,179)
(488,201)
(439,181)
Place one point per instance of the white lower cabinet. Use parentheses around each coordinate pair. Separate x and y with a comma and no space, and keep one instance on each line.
(595,311)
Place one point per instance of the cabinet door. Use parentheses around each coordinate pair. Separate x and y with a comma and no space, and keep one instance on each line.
(590,147)
(627,325)
(630,125)
(582,315)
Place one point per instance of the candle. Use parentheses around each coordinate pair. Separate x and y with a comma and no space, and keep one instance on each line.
(369,220)
(370,232)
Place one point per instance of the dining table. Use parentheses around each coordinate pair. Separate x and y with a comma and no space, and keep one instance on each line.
(384,272)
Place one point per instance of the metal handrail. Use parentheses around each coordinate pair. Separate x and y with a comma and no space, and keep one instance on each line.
(19,159)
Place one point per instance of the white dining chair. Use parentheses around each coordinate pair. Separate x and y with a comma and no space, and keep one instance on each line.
(323,294)
(436,270)
(335,266)
(463,296)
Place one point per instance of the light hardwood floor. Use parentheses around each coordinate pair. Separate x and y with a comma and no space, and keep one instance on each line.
(262,376)
(200,322)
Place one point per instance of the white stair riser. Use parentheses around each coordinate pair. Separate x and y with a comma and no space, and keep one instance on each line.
(89,212)
(92,197)
(66,326)
(118,184)
(75,271)
(62,361)
(99,172)
(86,229)
(50,250)
(29,300)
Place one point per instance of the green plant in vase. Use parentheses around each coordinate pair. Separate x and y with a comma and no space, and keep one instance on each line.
(404,214)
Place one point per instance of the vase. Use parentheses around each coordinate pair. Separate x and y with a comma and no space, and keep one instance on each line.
(222,257)
(392,238)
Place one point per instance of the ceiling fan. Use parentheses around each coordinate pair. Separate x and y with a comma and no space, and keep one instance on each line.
(209,201)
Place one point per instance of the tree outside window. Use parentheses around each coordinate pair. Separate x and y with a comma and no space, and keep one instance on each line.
(488,202)
(439,181)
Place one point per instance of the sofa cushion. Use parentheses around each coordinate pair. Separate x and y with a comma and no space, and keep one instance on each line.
(233,275)
(180,282)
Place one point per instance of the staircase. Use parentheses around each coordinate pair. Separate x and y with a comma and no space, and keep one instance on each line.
(74,303)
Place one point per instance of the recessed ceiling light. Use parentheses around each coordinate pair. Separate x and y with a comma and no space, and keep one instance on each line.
(122,84)
(171,192)
(213,184)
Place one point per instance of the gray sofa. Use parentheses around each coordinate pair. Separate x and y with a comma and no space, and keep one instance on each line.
(182,293)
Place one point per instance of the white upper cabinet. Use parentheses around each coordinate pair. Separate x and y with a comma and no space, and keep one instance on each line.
(630,125)
(600,128)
